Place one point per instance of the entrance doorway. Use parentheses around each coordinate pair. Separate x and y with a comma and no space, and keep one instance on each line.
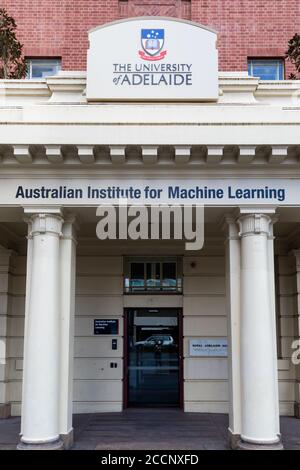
(153,357)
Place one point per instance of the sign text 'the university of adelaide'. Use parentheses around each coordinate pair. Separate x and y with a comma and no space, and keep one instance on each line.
(152,58)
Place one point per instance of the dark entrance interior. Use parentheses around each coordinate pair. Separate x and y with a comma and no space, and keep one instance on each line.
(153,357)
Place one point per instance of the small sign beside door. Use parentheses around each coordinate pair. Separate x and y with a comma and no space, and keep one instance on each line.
(205,347)
(106,327)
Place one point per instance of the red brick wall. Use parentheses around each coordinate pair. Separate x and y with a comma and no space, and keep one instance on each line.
(255,28)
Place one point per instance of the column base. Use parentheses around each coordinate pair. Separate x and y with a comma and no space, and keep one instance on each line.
(242,445)
(68,439)
(5,410)
(233,440)
(297,409)
(55,445)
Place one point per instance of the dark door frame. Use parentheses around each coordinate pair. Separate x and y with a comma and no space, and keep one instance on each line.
(180,352)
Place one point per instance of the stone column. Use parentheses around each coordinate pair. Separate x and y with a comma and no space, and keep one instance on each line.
(297,366)
(233,276)
(67,304)
(41,372)
(5,406)
(259,381)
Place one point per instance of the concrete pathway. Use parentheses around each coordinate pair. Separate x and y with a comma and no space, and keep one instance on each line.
(148,429)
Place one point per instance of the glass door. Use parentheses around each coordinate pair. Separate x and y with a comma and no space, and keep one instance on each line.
(152,357)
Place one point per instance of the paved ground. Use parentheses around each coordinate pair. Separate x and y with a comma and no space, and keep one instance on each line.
(146,429)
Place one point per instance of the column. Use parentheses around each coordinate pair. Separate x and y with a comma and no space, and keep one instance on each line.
(258,350)
(67,304)
(297,366)
(41,371)
(233,275)
(5,406)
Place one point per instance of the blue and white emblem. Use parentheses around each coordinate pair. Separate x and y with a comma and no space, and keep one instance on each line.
(152,41)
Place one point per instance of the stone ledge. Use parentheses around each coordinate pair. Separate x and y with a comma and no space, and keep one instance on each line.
(69,87)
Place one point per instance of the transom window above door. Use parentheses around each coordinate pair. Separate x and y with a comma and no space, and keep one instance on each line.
(162,275)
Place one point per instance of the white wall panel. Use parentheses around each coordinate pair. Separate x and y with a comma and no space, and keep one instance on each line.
(99,285)
(286,264)
(204,326)
(97,369)
(16,409)
(206,390)
(288,326)
(194,266)
(150,301)
(204,285)
(16,326)
(286,409)
(15,391)
(15,369)
(286,346)
(287,285)
(206,407)
(98,390)
(19,263)
(18,305)
(97,305)
(97,347)
(286,391)
(4,282)
(205,368)
(99,265)
(97,407)
(204,305)
(15,347)
(287,306)
(4,298)
(19,285)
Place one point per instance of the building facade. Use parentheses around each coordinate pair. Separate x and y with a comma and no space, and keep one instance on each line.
(248,30)
(91,325)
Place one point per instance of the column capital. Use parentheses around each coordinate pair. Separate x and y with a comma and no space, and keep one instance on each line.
(254,224)
(256,221)
(243,210)
(228,224)
(70,227)
(44,220)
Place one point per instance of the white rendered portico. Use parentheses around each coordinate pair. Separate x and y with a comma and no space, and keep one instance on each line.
(238,287)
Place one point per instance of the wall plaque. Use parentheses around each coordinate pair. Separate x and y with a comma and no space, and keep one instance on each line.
(106,327)
(152,58)
(205,347)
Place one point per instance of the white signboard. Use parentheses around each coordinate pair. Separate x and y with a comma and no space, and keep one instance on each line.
(94,191)
(152,58)
(205,347)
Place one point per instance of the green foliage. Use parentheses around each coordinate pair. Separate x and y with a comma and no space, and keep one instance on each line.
(12,63)
(293,54)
